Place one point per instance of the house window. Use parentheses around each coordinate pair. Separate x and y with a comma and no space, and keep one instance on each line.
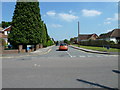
(8,32)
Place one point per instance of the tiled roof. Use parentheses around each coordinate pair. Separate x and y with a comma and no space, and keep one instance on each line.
(85,36)
(7,29)
(116,33)
(113,33)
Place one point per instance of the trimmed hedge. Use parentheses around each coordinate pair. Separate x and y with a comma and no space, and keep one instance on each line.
(100,43)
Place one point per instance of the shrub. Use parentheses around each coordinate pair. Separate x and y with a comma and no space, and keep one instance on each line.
(2,41)
(99,43)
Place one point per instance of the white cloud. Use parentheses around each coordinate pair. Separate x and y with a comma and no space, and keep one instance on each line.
(91,12)
(64,16)
(107,22)
(67,17)
(114,18)
(51,13)
(56,25)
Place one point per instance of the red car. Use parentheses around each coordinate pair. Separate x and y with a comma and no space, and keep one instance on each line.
(63,47)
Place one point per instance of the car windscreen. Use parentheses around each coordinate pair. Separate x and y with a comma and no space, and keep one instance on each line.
(62,44)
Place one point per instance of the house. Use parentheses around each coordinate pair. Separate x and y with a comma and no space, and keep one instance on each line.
(4,34)
(113,35)
(86,37)
(1,32)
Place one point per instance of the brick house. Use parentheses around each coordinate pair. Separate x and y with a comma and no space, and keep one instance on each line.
(4,34)
(113,35)
(86,37)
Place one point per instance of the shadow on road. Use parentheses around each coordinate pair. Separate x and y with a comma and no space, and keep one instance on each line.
(96,84)
(60,50)
(116,71)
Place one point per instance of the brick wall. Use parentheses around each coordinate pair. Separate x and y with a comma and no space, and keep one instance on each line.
(10,51)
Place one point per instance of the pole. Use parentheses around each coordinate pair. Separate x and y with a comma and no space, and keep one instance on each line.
(78,32)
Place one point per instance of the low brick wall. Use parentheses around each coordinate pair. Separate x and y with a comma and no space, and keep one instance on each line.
(10,52)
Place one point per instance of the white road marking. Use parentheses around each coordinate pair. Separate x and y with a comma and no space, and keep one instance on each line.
(36,65)
(89,55)
(81,56)
(69,54)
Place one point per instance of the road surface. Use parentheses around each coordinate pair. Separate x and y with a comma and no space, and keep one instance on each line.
(60,69)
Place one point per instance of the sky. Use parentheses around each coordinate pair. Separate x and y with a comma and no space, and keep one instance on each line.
(62,18)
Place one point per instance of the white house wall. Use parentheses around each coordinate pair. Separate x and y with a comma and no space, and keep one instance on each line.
(113,39)
(5,33)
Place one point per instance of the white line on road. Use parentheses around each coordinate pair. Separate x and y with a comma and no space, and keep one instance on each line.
(81,56)
(89,55)
(36,65)
(69,54)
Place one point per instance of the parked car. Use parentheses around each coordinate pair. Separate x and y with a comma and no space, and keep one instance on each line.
(63,46)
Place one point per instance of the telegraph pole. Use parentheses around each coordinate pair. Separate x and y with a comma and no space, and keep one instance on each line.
(78,32)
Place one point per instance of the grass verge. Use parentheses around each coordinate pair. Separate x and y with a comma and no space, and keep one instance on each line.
(99,48)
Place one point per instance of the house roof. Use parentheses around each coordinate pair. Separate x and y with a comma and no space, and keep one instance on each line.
(7,29)
(113,33)
(116,33)
(85,36)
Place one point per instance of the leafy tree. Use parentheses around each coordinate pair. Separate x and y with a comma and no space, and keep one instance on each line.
(26,24)
(66,41)
(5,24)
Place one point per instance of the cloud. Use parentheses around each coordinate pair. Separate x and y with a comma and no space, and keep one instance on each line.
(64,16)
(107,22)
(51,13)
(56,25)
(114,18)
(89,13)
(67,17)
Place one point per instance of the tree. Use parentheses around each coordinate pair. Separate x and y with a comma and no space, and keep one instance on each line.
(44,35)
(5,24)
(26,24)
(66,41)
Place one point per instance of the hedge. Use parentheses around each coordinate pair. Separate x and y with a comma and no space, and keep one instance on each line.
(100,43)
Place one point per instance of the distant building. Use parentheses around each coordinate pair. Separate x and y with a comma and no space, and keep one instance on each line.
(4,33)
(86,37)
(113,35)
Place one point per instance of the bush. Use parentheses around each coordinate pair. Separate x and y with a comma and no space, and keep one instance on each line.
(99,43)
(49,43)
(2,41)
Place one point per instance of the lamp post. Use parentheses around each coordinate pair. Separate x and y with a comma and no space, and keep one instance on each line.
(78,32)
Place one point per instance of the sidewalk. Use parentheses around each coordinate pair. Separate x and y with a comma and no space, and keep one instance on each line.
(93,51)
(35,53)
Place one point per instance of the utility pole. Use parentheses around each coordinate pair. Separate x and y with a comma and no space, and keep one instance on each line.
(78,32)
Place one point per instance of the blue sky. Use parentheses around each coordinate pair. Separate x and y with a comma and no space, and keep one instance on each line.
(61,17)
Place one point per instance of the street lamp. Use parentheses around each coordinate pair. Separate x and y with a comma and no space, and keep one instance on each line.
(78,33)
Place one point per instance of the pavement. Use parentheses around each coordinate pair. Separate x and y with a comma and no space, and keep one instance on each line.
(94,51)
(35,53)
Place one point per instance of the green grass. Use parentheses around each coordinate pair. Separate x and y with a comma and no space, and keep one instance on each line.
(99,48)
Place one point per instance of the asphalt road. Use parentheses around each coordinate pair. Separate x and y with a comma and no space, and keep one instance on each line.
(54,52)
(60,69)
